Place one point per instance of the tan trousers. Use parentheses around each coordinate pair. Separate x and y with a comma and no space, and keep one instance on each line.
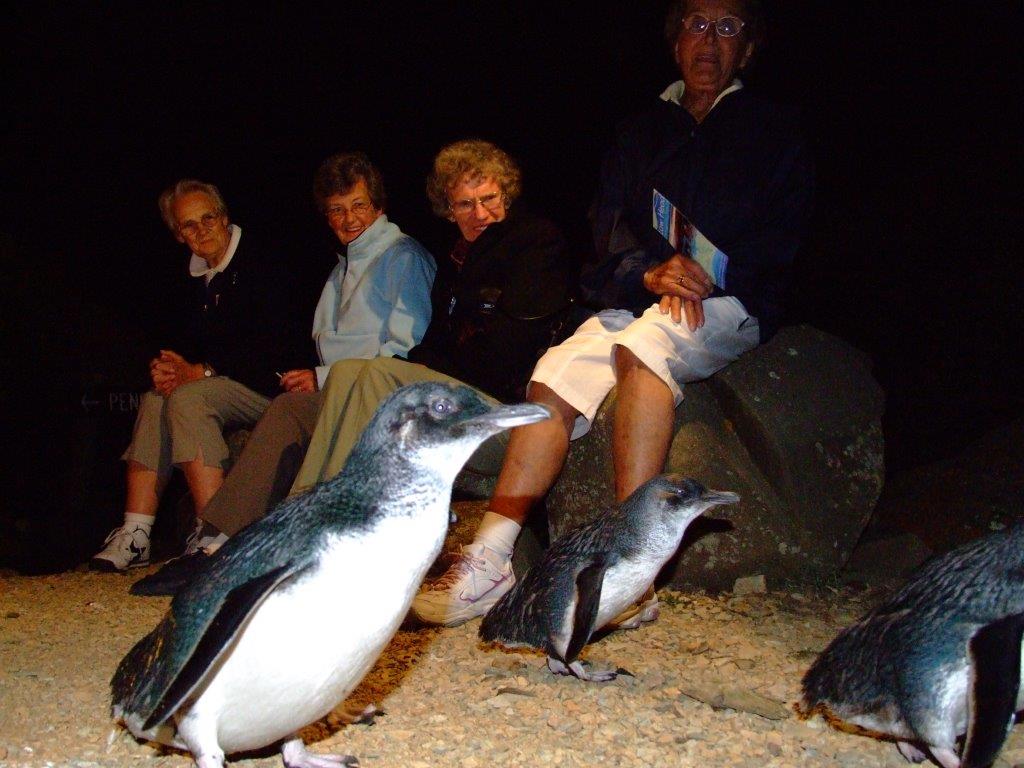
(351,394)
(191,423)
(264,471)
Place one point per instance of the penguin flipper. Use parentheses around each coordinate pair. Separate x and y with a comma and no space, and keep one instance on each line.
(994,653)
(220,631)
(588,600)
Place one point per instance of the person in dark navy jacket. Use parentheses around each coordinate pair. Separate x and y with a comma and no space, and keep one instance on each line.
(220,373)
(702,203)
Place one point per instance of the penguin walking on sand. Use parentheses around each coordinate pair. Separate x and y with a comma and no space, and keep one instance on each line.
(289,615)
(593,572)
(937,662)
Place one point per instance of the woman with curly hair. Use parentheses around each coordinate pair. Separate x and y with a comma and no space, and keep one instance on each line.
(506,285)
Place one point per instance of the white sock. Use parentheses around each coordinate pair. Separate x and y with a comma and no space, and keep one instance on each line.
(497,532)
(142,521)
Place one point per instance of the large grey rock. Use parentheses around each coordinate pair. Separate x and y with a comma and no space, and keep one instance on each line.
(951,501)
(794,427)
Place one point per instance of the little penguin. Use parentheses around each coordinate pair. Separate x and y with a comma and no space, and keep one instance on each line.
(287,617)
(593,572)
(938,661)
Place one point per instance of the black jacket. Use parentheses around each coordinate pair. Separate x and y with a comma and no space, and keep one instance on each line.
(241,323)
(495,316)
(743,177)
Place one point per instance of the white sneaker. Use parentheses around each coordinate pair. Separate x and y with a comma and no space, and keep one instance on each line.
(195,541)
(469,588)
(126,547)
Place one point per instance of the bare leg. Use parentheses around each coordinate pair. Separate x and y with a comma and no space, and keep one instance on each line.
(534,457)
(144,487)
(203,481)
(642,430)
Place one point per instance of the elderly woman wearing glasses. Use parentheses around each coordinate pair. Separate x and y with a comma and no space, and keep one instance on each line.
(376,302)
(699,213)
(221,372)
(497,302)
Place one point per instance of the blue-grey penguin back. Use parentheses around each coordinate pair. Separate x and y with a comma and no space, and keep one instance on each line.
(650,522)
(398,478)
(938,659)
(532,611)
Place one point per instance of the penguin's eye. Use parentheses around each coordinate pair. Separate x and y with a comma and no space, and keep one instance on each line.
(442,406)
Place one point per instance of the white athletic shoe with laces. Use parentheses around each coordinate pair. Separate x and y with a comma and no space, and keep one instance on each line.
(194,542)
(126,547)
(469,588)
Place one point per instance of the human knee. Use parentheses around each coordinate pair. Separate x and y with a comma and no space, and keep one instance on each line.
(184,402)
(343,373)
(544,395)
(379,374)
(631,370)
(282,407)
(151,401)
(344,367)
(151,412)
(627,362)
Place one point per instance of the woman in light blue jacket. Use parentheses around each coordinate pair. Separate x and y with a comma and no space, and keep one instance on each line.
(375,303)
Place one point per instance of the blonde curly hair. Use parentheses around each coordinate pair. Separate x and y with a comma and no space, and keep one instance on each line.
(477,159)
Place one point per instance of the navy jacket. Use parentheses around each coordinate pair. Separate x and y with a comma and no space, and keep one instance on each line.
(241,323)
(743,177)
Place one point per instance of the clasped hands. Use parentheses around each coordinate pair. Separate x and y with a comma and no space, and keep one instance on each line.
(170,370)
(682,284)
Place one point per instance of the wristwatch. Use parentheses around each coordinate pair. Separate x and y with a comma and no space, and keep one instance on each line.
(207,370)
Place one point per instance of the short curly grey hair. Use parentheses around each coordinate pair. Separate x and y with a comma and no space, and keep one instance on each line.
(478,159)
(183,187)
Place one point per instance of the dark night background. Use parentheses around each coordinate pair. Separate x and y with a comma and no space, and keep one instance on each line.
(913,110)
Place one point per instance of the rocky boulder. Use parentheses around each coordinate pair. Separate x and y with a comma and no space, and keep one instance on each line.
(794,427)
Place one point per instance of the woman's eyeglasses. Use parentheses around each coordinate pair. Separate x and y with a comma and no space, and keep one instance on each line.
(727,26)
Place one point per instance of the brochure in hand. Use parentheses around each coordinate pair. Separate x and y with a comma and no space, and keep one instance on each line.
(682,235)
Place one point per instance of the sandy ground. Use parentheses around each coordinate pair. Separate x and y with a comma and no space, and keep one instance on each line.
(451,701)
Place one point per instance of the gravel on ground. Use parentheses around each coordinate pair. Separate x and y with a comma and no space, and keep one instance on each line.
(712,684)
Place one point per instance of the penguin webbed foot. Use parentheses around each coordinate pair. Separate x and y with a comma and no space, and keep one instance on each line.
(295,755)
(579,669)
(911,753)
(365,716)
(947,758)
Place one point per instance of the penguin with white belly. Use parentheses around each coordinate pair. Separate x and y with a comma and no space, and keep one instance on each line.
(592,573)
(289,615)
(937,666)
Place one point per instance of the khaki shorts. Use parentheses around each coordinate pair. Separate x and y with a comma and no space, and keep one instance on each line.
(581,370)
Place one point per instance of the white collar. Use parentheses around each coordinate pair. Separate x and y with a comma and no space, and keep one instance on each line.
(197,266)
(674,93)
(373,240)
